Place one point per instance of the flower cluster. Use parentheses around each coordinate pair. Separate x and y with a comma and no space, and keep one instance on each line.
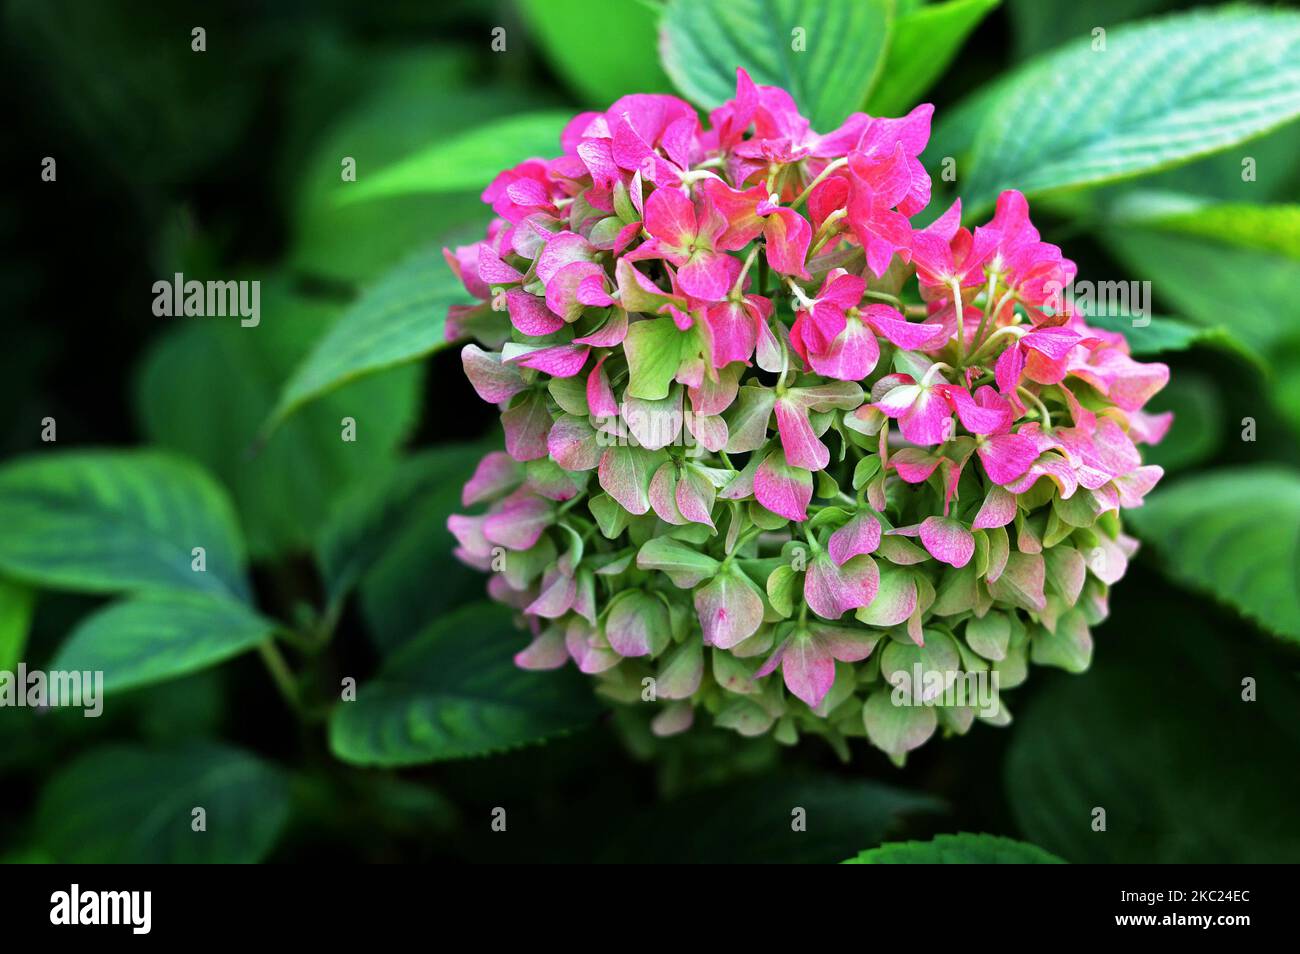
(773,453)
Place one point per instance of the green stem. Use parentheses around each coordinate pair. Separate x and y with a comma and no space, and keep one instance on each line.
(1042,408)
(744,271)
(280,674)
(961,333)
(984,318)
(821,177)
(885,296)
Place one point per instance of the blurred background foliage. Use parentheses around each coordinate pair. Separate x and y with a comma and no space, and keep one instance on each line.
(226,164)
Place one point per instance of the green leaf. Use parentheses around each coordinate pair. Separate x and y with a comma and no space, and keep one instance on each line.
(16,604)
(1041,26)
(1213,284)
(206,387)
(1160,334)
(1135,737)
(1176,88)
(923,43)
(960,849)
(130,805)
(600,57)
(454,692)
(159,636)
(401,319)
(684,564)
(401,112)
(1236,535)
(391,538)
(825,55)
(1268,228)
(753,821)
(654,353)
(467,162)
(106,521)
(1197,431)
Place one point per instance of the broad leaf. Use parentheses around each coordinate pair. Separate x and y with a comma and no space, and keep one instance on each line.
(1199,422)
(1214,284)
(394,107)
(16,604)
(158,636)
(390,538)
(466,162)
(1236,535)
(960,849)
(105,521)
(206,388)
(1043,26)
(923,43)
(454,692)
(1159,334)
(1174,89)
(401,319)
(1267,228)
(131,805)
(600,57)
(826,55)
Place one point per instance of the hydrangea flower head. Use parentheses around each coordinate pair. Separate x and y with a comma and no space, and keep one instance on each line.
(771,450)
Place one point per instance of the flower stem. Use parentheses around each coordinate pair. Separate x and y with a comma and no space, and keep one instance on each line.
(961,331)
(744,271)
(280,673)
(821,177)
(1042,408)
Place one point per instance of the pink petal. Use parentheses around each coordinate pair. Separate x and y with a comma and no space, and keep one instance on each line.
(831,590)
(998,509)
(495,474)
(559,361)
(562,248)
(546,651)
(600,396)
(530,315)
(782,489)
(947,540)
(520,521)
(611,332)
(909,336)
(730,610)
(733,333)
(800,443)
(526,426)
(808,669)
(850,357)
(860,535)
(1006,457)
(670,217)
(913,464)
(975,417)
(493,380)
(573,444)
(556,597)
(708,276)
(562,291)
(787,235)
